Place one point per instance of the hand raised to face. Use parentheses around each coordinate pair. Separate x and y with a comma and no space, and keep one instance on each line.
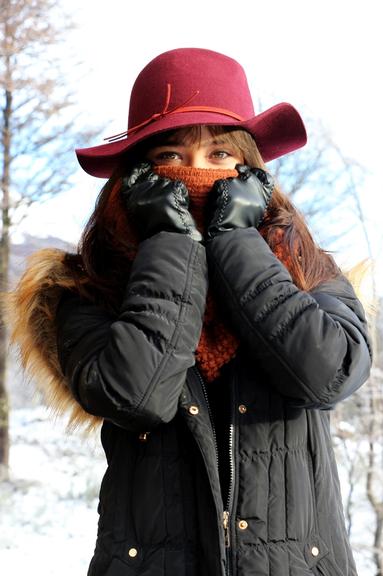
(239,202)
(156,204)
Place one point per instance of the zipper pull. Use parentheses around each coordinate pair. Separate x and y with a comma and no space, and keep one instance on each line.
(226,528)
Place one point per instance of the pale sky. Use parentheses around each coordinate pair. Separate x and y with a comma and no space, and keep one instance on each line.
(322,57)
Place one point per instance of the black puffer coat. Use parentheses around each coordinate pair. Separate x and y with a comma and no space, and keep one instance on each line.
(234,477)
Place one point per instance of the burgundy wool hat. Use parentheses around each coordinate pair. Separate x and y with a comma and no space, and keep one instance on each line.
(189,86)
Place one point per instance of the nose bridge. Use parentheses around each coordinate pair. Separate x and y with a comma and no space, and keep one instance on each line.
(197,158)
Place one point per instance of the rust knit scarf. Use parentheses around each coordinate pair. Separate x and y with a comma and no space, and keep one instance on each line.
(217,344)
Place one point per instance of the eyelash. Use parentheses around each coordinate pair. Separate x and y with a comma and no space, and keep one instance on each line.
(169,155)
(227,154)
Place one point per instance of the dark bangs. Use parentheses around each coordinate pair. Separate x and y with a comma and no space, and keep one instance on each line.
(242,142)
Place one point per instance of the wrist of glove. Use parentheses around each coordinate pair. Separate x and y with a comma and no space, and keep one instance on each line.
(239,202)
(156,204)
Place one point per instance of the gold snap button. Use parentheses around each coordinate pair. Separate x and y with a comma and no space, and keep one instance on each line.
(133,552)
(315,551)
(242,524)
(242,408)
(194,410)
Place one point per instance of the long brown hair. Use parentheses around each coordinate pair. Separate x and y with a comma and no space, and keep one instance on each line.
(107,245)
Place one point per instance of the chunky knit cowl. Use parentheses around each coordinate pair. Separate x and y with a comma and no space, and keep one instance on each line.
(217,344)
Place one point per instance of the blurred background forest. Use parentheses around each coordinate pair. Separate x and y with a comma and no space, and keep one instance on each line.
(65,74)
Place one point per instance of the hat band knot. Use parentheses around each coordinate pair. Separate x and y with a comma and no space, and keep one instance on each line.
(177,109)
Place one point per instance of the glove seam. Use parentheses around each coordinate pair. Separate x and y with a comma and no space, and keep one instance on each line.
(178,208)
(226,198)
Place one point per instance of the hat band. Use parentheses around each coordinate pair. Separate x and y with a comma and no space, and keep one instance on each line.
(178,109)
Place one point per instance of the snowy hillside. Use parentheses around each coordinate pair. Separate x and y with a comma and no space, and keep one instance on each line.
(48,519)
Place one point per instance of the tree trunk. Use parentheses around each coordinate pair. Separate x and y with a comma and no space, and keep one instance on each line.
(4,264)
(378,555)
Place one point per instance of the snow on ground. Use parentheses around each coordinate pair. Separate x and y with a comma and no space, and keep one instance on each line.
(48,509)
(363,521)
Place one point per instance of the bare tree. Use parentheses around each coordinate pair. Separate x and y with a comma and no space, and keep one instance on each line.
(318,180)
(358,440)
(37,131)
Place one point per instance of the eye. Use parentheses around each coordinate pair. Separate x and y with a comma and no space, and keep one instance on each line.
(221,154)
(167,155)
(164,156)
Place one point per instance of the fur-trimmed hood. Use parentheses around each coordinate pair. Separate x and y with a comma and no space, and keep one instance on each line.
(30,312)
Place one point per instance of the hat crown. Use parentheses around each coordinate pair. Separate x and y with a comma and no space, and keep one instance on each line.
(196,77)
(195,86)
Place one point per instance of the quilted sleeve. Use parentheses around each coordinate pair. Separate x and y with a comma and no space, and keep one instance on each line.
(314,346)
(130,369)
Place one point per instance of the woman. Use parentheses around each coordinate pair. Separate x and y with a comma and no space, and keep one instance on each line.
(201,324)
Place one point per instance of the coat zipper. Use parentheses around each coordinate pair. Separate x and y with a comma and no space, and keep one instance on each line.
(229,501)
(210,415)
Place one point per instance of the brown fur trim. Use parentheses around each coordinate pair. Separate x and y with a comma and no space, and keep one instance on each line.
(30,312)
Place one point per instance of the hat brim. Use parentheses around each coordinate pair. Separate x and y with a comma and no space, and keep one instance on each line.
(277,131)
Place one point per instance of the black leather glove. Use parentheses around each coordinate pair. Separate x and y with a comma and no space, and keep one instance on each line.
(155,204)
(239,202)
